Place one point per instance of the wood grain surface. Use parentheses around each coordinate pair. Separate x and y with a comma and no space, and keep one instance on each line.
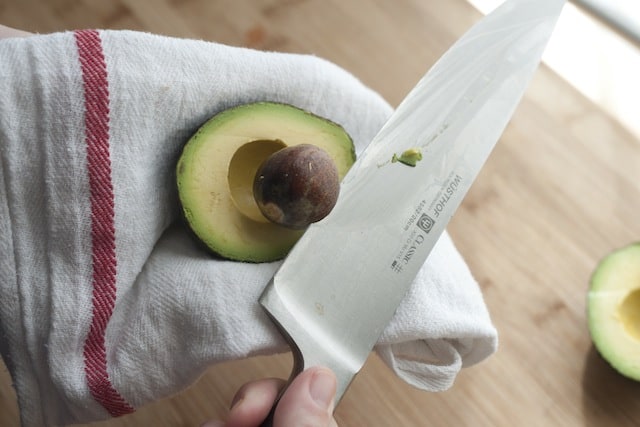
(560,191)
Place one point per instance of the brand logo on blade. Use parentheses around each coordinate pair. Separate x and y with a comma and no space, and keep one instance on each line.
(425,223)
(414,239)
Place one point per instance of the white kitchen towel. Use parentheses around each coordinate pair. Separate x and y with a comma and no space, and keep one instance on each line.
(106,303)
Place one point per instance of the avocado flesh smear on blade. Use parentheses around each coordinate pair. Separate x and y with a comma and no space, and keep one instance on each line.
(614,310)
(216,170)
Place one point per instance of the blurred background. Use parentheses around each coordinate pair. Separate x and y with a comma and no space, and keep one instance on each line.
(595,47)
(560,191)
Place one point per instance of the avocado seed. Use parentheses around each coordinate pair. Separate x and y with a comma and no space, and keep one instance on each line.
(297,186)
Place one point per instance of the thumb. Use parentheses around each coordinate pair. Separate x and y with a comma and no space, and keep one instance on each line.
(308,401)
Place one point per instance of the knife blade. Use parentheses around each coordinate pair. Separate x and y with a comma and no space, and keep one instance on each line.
(341,284)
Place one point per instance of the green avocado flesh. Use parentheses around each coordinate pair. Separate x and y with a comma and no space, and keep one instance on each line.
(217,167)
(614,310)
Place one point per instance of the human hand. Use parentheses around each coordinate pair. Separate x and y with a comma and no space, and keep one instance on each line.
(307,401)
(8,32)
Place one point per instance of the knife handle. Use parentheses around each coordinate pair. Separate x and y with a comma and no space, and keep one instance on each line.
(268,422)
(298,367)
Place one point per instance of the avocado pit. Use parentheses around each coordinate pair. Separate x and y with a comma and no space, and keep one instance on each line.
(297,186)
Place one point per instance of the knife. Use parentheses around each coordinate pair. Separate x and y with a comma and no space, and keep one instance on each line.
(342,282)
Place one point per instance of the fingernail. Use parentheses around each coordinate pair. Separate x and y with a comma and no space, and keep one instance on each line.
(323,388)
(237,401)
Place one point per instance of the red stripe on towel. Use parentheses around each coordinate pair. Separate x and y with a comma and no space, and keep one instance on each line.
(96,106)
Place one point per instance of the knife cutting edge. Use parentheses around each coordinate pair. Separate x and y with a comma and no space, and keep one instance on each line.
(341,284)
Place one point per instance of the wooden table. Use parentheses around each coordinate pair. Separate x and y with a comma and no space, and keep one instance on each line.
(560,191)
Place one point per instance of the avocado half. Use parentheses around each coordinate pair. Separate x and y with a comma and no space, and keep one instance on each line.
(614,310)
(216,171)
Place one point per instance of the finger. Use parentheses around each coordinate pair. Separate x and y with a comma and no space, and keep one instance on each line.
(253,401)
(308,401)
(7,32)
